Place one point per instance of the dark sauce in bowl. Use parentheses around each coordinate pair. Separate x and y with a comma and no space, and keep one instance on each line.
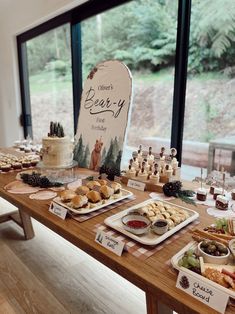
(160,224)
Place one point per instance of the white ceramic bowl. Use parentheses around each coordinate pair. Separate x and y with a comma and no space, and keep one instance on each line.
(220,260)
(132,216)
(160,229)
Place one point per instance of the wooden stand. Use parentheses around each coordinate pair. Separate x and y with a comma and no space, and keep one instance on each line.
(149,186)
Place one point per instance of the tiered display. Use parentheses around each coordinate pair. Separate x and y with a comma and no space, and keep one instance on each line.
(153,168)
(57,149)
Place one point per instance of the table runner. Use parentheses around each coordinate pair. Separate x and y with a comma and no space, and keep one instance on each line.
(139,250)
(81,218)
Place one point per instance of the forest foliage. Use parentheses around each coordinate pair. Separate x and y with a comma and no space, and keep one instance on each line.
(142,34)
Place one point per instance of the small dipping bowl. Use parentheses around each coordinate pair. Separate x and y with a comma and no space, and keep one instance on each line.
(160,226)
(136,223)
(212,258)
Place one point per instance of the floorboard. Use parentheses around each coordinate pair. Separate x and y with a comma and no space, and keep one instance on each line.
(72,280)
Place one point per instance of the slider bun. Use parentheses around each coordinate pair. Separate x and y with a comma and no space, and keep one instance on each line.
(102,181)
(116,186)
(79,201)
(82,190)
(106,191)
(93,196)
(67,195)
(91,184)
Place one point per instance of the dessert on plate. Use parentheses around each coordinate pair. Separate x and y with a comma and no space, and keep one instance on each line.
(201,194)
(221,202)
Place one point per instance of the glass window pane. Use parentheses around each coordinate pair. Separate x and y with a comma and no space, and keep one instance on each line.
(142,34)
(210,111)
(50,80)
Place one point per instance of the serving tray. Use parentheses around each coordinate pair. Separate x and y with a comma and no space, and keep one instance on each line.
(149,238)
(192,246)
(82,211)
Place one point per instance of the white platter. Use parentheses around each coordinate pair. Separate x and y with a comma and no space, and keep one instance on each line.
(174,261)
(149,238)
(82,211)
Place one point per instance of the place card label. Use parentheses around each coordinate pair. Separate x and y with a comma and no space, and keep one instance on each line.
(58,210)
(136,185)
(202,291)
(112,244)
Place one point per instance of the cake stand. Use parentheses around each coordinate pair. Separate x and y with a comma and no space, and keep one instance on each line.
(59,174)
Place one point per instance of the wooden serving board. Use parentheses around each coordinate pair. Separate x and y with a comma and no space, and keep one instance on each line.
(149,186)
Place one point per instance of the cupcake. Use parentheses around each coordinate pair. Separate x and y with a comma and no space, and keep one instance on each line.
(143,175)
(217,191)
(233,194)
(16,165)
(201,194)
(34,163)
(221,202)
(26,164)
(212,188)
(6,168)
(154,178)
(131,173)
(168,171)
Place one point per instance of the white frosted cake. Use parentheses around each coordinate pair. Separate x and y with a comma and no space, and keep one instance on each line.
(57,151)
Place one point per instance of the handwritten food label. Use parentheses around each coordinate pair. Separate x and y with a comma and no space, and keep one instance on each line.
(202,291)
(103,116)
(136,185)
(109,242)
(58,210)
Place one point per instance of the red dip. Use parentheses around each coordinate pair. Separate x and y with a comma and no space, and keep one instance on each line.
(160,223)
(136,224)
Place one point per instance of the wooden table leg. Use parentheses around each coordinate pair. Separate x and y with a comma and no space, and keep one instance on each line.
(156,307)
(26,225)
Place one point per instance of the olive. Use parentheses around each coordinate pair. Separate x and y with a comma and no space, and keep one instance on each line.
(217,253)
(222,249)
(211,248)
(204,244)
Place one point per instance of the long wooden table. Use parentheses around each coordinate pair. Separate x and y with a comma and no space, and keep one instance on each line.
(152,275)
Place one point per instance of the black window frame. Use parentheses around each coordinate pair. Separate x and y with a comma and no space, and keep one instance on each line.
(75,16)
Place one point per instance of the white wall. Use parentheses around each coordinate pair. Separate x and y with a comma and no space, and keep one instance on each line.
(16,17)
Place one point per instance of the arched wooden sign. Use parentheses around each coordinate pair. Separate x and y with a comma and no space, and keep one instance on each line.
(103,117)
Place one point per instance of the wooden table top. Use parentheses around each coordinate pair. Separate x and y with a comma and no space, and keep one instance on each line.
(152,275)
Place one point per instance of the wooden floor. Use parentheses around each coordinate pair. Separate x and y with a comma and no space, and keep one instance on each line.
(49,275)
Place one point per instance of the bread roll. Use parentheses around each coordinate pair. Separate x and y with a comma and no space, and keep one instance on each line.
(116,186)
(67,195)
(93,196)
(102,182)
(106,191)
(82,190)
(91,184)
(79,201)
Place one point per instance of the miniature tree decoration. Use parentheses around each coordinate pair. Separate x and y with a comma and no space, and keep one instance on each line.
(56,130)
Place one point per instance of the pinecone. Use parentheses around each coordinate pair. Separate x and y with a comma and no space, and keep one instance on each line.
(24,177)
(112,172)
(184,282)
(103,169)
(33,179)
(44,182)
(172,188)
